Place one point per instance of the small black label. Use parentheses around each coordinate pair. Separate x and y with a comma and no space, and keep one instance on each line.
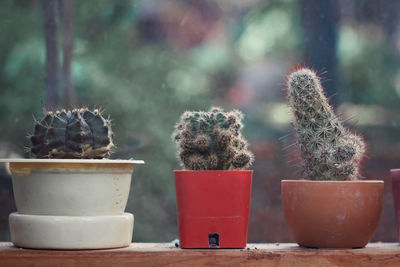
(213,240)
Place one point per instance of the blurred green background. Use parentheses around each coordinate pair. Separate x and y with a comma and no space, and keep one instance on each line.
(145,62)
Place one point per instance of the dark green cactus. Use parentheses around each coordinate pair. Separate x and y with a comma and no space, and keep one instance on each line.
(212,141)
(328,150)
(79,133)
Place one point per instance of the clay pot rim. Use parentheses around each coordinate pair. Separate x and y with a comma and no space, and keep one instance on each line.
(333,182)
(212,171)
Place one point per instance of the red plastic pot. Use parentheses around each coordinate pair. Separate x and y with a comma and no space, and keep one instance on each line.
(213,208)
(395,173)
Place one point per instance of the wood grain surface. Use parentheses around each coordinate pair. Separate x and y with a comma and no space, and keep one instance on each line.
(166,254)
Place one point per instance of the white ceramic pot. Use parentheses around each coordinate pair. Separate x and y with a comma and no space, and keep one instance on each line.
(69,203)
(71,187)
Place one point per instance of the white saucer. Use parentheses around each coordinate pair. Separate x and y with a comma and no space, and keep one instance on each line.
(71,232)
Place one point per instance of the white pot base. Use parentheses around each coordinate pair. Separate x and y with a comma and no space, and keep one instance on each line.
(71,232)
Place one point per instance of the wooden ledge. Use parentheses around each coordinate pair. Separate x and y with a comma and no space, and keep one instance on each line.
(156,254)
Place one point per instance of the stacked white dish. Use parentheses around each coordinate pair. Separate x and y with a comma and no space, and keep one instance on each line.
(71,204)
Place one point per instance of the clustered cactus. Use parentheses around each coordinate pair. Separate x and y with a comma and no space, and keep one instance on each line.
(328,150)
(212,140)
(77,133)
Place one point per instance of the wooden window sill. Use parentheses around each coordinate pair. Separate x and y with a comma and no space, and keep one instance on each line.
(156,254)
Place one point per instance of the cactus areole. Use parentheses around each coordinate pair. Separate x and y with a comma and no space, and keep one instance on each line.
(78,133)
(328,150)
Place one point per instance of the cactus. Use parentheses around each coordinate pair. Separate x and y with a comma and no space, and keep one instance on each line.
(212,141)
(327,149)
(78,133)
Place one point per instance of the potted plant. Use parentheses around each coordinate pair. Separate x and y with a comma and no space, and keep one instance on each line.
(333,209)
(213,192)
(69,196)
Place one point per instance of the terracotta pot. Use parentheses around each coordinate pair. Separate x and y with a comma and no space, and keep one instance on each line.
(213,208)
(332,214)
(395,173)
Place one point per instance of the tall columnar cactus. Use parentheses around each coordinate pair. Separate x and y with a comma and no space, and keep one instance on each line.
(212,141)
(78,133)
(328,150)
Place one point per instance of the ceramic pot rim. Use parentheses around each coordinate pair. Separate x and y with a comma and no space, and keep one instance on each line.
(74,161)
(333,182)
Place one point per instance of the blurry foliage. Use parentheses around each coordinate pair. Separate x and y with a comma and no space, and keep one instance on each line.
(368,66)
(272,30)
(145,62)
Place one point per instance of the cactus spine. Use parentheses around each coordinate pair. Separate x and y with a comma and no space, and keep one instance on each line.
(78,133)
(328,150)
(212,141)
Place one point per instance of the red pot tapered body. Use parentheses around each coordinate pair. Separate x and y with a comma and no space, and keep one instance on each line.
(395,173)
(213,208)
